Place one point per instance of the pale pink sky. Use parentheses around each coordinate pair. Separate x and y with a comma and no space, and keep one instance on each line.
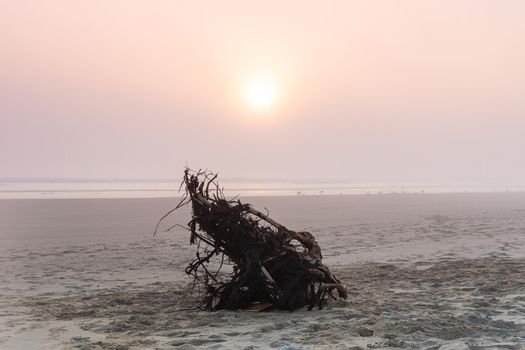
(421,91)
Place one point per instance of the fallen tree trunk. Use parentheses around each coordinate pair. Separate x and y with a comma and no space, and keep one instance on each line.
(271,263)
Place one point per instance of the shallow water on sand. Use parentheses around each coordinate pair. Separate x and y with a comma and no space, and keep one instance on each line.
(423,271)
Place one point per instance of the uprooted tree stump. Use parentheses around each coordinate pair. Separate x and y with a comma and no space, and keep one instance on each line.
(272,265)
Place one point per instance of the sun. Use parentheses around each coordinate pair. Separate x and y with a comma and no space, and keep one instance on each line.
(261,92)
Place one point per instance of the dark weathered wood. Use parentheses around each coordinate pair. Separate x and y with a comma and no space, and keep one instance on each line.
(271,263)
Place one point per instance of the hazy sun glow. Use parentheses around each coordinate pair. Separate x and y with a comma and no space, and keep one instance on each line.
(261,92)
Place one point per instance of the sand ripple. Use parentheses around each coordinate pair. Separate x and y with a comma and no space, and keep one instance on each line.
(461,304)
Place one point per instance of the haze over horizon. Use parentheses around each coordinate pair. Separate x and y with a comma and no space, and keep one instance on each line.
(429,92)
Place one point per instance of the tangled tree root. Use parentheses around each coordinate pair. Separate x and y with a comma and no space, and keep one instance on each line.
(272,265)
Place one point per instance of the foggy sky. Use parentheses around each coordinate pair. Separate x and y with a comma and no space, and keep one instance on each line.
(424,91)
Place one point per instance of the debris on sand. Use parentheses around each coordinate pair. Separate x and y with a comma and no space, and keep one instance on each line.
(271,264)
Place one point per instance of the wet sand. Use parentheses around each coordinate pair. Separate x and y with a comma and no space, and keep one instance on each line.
(431,271)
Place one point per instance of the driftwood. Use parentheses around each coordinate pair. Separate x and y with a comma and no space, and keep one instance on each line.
(271,264)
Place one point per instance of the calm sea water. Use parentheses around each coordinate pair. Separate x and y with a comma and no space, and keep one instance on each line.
(19,189)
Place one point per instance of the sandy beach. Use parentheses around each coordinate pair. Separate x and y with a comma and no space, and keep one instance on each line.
(384,139)
(424,271)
